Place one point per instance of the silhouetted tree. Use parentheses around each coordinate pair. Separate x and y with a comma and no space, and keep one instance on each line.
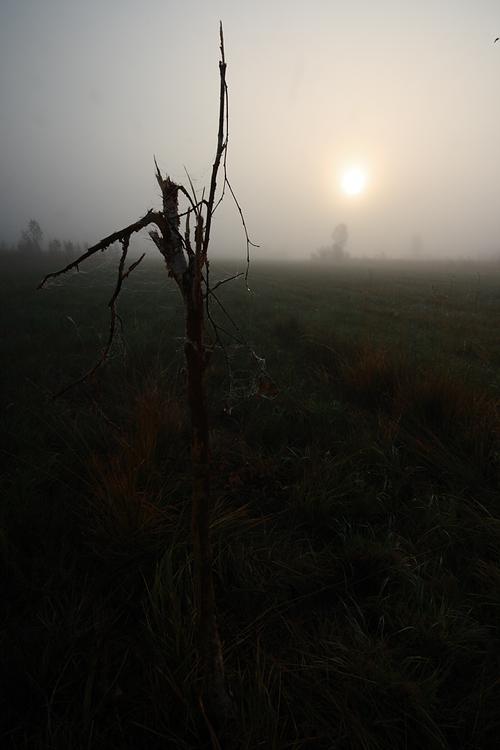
(336,252)
(31,239)
(340,235)
(186,259)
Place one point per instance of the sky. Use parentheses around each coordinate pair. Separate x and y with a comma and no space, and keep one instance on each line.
(408,92)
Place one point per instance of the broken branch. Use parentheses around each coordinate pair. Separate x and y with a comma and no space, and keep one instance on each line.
(113,318)
(152,217)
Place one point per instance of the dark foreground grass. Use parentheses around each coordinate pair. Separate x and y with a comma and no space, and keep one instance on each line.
(356,524)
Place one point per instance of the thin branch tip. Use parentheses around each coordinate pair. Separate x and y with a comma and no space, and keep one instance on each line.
(221,36)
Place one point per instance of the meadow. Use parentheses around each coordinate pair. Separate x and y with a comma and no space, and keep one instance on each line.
(355,433)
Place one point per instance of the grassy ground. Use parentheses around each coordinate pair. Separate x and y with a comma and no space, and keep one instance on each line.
(356,521)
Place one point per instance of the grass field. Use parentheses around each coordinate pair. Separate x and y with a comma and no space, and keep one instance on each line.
(356,513)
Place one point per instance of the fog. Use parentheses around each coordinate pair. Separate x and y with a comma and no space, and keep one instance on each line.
(409,91)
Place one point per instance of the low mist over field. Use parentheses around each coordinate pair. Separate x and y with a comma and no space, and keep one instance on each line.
(250,388)
(403,95)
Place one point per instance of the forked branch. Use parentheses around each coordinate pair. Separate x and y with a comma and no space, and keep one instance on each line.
(112,319)
(152,217)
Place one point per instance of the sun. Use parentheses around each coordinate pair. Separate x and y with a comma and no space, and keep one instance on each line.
(353,180)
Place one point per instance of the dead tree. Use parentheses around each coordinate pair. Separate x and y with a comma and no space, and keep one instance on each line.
(186,259)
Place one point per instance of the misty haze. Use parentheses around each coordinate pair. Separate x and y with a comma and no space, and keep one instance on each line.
(250,415)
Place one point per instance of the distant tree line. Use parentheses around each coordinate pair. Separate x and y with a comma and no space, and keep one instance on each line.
(32,247)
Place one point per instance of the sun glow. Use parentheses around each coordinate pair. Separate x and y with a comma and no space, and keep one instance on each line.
(353,181)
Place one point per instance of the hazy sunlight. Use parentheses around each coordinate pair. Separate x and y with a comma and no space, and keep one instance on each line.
(353,181)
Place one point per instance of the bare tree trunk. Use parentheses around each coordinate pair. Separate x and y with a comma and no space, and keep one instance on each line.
(186,265)
(210,662)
